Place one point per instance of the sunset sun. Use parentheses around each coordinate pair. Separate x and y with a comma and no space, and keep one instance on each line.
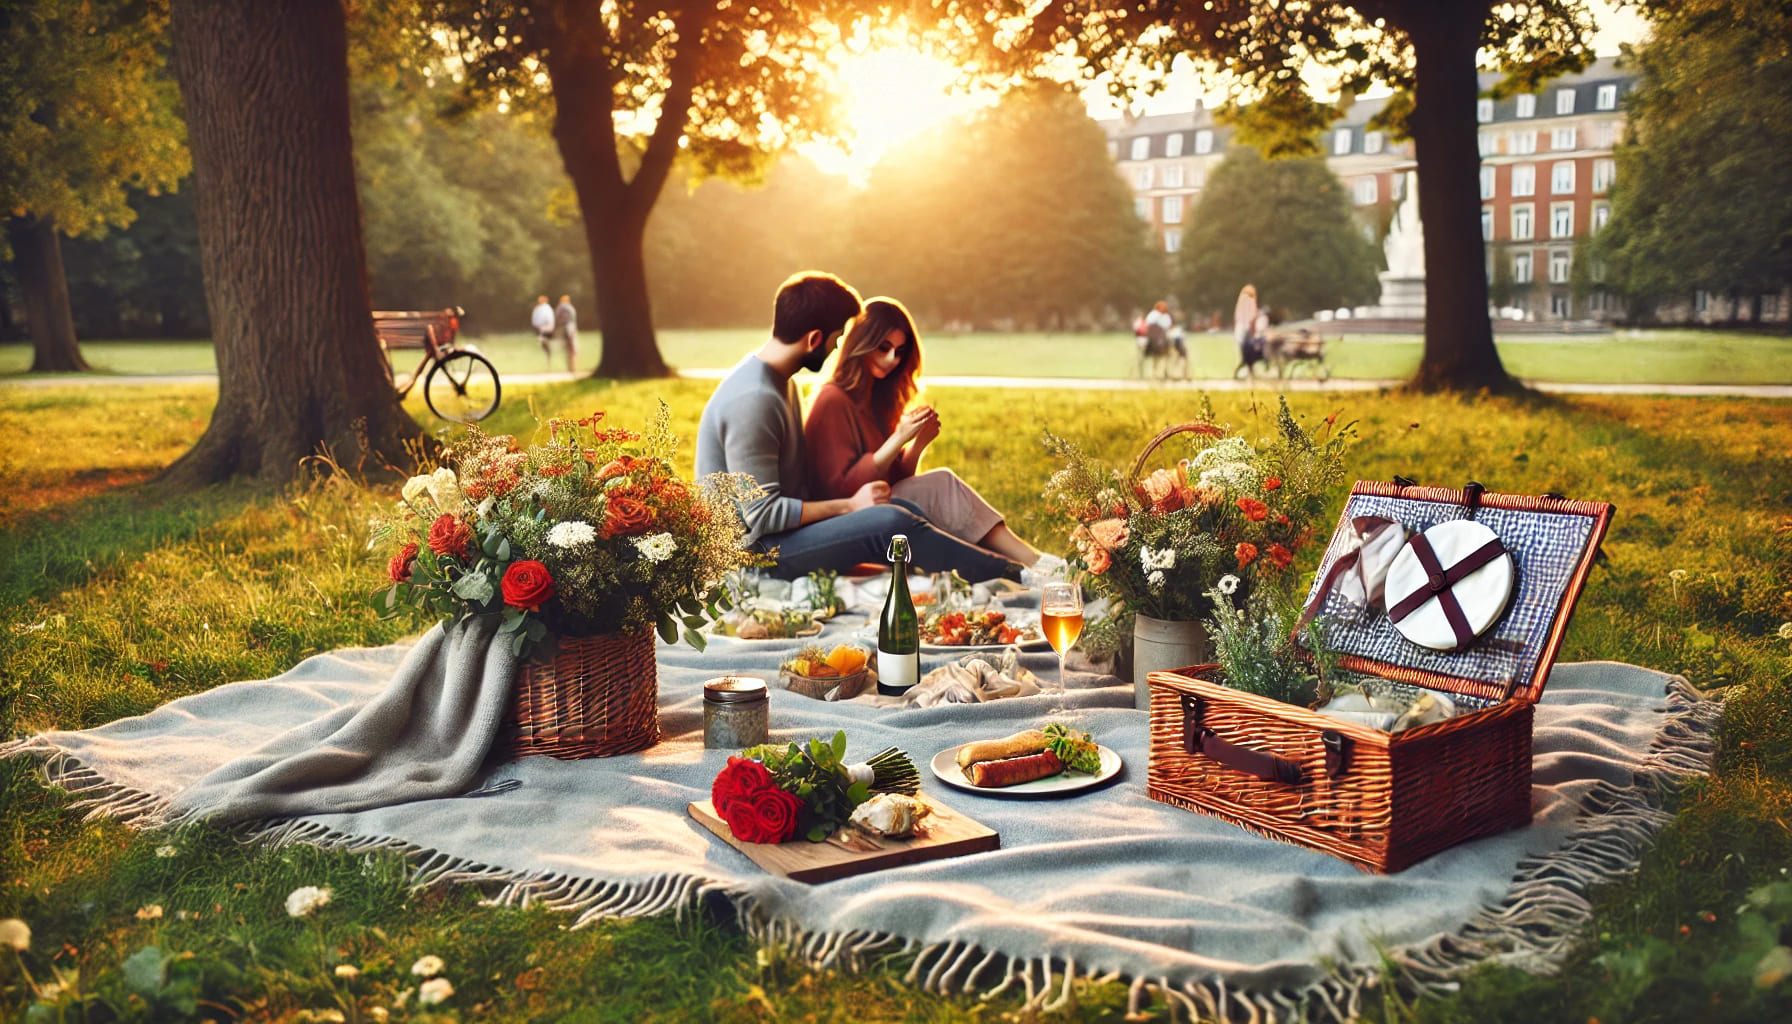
(891,95)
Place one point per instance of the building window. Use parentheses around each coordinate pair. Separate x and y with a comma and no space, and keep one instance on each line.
(1564,102)
(1486,182)
(1172,239)
(1524,179)
(1558,267)
(1372,142)
(1341,142)
(1173,175)
(1172,209)
(1604,173)
(1527,105)
(1521,222)
(1141,147)
(1522,143)
(1521,268)
(1173,144)
(1483,111)
(1561,220)
(1596,302)
(1487,143)
(1204,141)
(1561,305)
(1602,213)
(1562,138)
(1701,300)
(1142,207)
(1607,98)
(1366,192)
(1486,224)
(1141,178)
(1605,135)
(1561,178)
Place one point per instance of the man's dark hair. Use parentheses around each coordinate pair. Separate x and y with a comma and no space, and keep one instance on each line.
(812,301)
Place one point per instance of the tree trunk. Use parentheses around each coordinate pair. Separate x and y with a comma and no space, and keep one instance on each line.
(37,262)
(1459,353)
(615,214)
(265,84)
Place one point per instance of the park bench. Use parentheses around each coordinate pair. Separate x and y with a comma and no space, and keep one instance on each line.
(461,384)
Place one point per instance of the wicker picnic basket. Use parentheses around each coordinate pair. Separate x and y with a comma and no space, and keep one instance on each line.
(597,697)
(1384,801)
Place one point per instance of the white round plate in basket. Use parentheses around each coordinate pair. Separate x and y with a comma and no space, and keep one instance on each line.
(1066,783)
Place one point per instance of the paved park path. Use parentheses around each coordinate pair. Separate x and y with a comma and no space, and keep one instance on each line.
(1035,383)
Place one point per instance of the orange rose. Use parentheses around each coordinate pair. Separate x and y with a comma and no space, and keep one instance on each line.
(1098,559)
(1280,556)
(1271,483)
(1162,492)
(1246,551)
(1253,509)
(1110,533)
(625,517)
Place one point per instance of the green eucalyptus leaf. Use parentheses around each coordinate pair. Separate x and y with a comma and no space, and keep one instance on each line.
(697,640)
(668,627)
(840,745)
(858,793)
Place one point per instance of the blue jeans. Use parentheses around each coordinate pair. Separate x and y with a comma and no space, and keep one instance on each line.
(864,536)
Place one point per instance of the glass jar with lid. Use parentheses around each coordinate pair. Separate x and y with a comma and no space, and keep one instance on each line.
(736,713)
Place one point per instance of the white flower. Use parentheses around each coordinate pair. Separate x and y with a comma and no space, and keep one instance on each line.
(434,991)
(1785,631)
(1156,579)
(1228,584)
(444,489)
(152,912)
(15,934)
(165,852)
(428,966)
(1152,558)
(571,534)
(1230,476)
(415,489)
(1677,575)
(656,547)
(303,900)
(349,971)
(330,1016)
(378,1013)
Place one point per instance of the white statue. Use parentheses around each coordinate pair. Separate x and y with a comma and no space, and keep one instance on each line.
(1405,244)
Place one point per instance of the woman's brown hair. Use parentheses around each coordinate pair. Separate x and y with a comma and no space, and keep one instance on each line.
(890,396)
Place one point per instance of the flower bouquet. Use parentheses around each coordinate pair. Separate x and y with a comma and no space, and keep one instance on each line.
(770,794)
(591,533)
(1157,544)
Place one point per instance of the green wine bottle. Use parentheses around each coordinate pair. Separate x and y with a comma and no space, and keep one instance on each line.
(899,630)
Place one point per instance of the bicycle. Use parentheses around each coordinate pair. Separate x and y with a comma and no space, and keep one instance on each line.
(461,384)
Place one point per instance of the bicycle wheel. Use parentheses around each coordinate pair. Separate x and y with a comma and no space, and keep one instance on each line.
(462,387)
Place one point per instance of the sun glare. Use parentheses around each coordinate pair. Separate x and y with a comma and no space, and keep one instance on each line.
(890,96)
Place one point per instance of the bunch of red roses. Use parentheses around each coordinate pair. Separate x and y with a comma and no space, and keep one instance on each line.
(755,808)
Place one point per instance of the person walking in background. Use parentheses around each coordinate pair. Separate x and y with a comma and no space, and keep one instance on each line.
(862,429)
(566,328)
(1244,322)
(542,319)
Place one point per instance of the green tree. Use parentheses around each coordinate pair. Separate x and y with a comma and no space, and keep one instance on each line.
(144,279)
(1499,290)
(1283,225)
(1010,213)
(1427,49)
(86,114)
(1706,167)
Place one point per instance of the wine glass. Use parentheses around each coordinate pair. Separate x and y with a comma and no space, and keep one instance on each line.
(1061,618)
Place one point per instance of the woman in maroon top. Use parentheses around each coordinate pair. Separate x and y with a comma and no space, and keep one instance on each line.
(861,429)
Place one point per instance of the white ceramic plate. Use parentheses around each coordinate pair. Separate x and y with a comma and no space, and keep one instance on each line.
(945,768)
(712,633)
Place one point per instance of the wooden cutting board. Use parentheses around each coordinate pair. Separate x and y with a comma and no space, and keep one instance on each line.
(949,834)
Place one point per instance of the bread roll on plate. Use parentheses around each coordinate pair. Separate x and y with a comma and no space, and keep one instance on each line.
(1021,743)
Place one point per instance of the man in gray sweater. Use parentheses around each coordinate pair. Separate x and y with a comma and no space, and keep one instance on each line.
(753,424)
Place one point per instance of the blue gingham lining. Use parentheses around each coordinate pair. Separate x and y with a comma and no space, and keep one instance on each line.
(1545,547)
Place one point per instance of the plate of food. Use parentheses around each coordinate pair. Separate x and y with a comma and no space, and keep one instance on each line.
(752,624)
(988,630)
(1050,762)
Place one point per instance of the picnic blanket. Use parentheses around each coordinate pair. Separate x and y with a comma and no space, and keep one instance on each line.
(1108,883)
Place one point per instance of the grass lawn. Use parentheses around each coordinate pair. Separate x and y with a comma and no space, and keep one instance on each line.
(1650,357)
(117,600)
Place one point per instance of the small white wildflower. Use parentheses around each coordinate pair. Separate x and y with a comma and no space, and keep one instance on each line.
(349,971)
(331,1016)
(434,991)
(378,1014)
(166,852)
(15,934)
(428,966)
(152,912)
(1677,575)
(571,533)
(1228,584)
(1156,579)
(1785,631)
(415,489)
(444,490)
(303,900)
(402,998)
(656,547)
(1154,558)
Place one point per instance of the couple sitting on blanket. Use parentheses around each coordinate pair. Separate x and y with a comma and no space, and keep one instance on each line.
(837,489)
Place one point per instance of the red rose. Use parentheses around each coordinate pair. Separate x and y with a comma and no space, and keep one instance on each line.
(1281,556)
(773,814)
(624,517)
(450,536)
(619,466)
(1246,551)
(1271,483)
(399,569)
(527,585)
(1253,509)
(1284,520)
(743,778)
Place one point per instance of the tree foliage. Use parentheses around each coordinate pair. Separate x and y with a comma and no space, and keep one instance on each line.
(1282,225)
(1706,166)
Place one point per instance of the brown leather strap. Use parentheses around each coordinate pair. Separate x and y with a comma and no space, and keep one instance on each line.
(1441,580)
(1198,739)
(1366,527)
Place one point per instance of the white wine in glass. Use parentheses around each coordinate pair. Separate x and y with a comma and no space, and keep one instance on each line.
(1061,619)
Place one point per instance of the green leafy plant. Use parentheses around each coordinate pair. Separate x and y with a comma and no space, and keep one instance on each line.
(1076,749)
(1256,647)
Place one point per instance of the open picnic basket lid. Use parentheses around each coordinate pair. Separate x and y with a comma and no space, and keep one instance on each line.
(1552,542)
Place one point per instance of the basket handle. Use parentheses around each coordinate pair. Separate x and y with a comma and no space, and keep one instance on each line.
(1199,739)
(1202,429)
